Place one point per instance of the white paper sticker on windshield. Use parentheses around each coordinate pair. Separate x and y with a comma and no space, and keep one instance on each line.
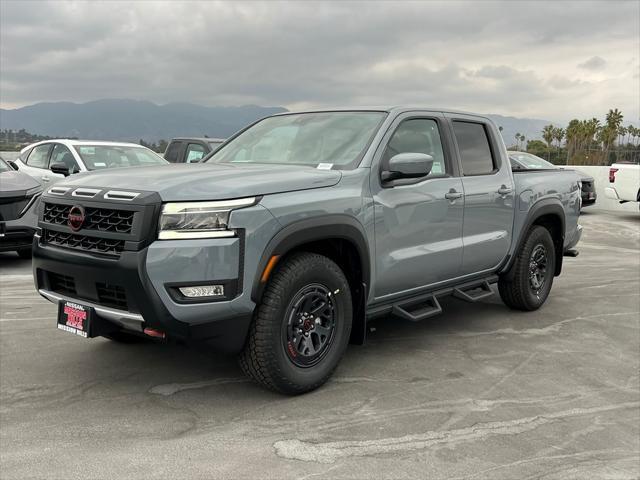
(324,166)
(99,164)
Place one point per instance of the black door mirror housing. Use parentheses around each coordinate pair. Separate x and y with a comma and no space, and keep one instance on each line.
(60,168)
(12,164)
(408,165)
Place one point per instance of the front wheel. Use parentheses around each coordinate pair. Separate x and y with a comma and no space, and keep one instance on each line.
(302,326)
(24,253)
(527,286)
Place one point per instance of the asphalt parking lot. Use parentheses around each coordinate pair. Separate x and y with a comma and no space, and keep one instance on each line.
(478,392)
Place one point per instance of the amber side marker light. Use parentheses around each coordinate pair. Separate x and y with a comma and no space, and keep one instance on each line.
(269,268)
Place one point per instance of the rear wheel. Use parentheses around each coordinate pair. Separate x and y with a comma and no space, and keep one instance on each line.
(527,285)
(302,326)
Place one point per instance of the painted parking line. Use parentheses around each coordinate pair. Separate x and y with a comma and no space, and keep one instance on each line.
(26,319)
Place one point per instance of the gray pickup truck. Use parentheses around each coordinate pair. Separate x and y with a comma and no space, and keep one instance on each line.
(303,226)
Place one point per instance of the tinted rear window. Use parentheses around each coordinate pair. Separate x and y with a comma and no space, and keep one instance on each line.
(474,148)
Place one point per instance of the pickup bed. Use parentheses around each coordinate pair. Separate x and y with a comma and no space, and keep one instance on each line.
(284,242)
(624,182)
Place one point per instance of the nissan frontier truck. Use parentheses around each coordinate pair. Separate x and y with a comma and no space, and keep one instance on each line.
(282,244)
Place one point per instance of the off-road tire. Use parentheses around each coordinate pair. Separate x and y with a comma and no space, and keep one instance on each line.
(264,357)
(515,286)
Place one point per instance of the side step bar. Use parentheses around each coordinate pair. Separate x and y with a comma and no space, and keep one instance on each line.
(473,293)
(426,305)
(418,309)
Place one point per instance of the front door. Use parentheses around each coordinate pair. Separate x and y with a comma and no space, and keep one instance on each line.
(418,222)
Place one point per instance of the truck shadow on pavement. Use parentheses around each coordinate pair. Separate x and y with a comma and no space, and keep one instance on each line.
(165,369)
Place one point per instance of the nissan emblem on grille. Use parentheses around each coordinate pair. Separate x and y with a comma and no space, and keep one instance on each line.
(76,217)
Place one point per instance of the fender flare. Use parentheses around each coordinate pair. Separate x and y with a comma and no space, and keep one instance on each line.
(323,227)
(548,206)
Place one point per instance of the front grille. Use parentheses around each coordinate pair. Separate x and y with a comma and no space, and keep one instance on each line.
(101,219)
(62,283)
(83,242)
(112,296)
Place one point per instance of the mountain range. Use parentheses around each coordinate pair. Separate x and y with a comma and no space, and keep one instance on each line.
(132,120)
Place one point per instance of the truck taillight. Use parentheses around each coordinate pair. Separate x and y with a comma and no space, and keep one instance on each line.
(612,174)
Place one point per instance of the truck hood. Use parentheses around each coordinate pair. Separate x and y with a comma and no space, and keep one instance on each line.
(208,181)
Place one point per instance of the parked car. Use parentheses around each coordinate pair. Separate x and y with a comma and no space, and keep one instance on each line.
(299,229)
(524,160)
(52,160)
(624,182)
(190,149)
(18,198)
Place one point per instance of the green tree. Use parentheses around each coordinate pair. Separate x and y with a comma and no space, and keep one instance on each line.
(548,134)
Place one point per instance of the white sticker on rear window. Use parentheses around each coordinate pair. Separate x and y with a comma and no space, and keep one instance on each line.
(325,166)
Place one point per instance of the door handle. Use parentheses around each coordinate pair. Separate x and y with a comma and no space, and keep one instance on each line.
(504,190)
(45,178)
(452,195)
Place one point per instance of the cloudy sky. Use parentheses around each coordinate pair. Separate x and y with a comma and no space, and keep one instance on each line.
(551,60)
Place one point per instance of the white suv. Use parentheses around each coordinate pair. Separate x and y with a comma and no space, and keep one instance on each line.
(52,160)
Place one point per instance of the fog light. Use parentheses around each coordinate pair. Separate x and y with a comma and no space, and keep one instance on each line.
(202,291)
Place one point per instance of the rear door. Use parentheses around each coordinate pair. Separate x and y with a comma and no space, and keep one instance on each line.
(488,193)
(418,222)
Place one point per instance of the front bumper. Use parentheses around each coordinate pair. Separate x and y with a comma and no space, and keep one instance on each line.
(15,237)
(18,234)
(64,274)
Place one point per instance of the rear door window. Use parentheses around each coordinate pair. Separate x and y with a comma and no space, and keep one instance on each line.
(195,152)
(474,148)
(39,156)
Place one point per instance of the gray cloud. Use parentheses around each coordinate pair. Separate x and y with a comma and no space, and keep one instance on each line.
(480,56)
(593,63)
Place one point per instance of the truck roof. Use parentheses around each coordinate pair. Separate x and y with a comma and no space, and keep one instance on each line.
(202,139)
(389,109)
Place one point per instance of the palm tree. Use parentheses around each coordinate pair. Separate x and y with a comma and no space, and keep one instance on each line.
(558,135)
(524,145)
(517,140)
(622,132)
(572,135)
(609,133)
(547,135)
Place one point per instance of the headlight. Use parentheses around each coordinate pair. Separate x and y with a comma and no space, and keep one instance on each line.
(199,219)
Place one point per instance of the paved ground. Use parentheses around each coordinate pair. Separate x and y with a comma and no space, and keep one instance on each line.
(478,392)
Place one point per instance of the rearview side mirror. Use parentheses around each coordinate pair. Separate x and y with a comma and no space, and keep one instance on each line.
(12,164)
(408,165)
(60,168)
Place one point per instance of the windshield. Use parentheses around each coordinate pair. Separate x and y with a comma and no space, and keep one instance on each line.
(99,157)
(527,160)
(4,166)
(329,138)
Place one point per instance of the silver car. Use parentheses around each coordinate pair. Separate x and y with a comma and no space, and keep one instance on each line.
(19,195)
